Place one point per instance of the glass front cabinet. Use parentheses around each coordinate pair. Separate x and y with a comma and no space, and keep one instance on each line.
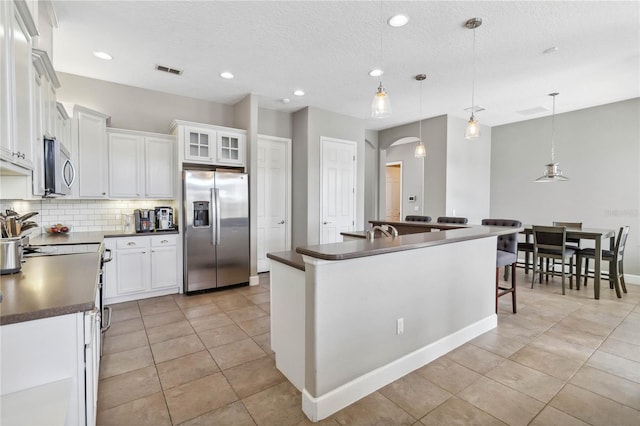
(207,144)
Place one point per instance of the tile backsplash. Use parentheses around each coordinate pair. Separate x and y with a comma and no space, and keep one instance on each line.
(82,215)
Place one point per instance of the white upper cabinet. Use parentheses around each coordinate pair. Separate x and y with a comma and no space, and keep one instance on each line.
(208,144)
(92,158)
(230,148)
(141,165)
(16,84)
(160,166)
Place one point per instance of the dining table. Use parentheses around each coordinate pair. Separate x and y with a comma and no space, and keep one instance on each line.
(595,234)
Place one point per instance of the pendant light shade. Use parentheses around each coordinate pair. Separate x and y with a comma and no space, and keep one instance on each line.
(552,172)
(473,128)
(421,150)
(381,105)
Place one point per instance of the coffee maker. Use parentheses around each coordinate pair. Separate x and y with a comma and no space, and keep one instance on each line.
(145,220)
(164,218)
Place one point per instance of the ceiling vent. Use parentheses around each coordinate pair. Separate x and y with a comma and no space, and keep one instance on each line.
(534,110)
(169,70)
(476,108)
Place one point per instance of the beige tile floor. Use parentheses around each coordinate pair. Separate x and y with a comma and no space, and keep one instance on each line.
(205,360)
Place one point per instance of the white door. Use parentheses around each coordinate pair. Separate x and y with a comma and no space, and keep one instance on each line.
(394,191)
(274,197)
(338,189)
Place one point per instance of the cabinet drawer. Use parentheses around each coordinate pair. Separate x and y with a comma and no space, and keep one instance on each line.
(163,240)
(132,243)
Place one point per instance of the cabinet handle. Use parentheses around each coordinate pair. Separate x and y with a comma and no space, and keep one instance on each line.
(104,193)
(144,252)
(164,242)
(131,243)
(281,222)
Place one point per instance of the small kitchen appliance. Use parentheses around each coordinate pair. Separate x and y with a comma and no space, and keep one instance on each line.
(11,250)
(164,218)
(145,220)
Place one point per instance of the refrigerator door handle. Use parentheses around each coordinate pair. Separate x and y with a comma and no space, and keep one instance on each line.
(217,200)
(214,228)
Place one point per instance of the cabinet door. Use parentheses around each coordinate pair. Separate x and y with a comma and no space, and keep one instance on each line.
(92,155)
(230,148)
(125,165)
(132,270)
(159,167)
(22,83)
(199,145)
(164,271)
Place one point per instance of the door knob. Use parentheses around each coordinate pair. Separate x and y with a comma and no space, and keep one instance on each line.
(281,222)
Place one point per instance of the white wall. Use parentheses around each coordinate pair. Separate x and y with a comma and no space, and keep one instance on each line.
(597,148)
(274,123)
(309,125)
(134,108)
(468,172)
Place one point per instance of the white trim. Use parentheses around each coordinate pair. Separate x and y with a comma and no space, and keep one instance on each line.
(324,139)
(318,408)
(405,140)
(632,279)
(254,280)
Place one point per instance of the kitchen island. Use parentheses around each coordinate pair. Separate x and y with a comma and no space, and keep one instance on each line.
(361,314)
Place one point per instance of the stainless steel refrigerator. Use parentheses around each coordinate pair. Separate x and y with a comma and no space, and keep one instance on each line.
(216,225)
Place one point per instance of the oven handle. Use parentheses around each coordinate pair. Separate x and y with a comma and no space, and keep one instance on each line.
(107,259)
(106,327)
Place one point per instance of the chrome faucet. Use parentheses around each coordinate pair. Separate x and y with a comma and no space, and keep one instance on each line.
(384,230)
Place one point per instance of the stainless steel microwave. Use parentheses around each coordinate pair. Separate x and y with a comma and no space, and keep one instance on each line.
(59,173)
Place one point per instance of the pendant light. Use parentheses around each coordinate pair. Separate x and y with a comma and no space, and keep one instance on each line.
(381,105)
(421,150)
(553,172)
(473,128)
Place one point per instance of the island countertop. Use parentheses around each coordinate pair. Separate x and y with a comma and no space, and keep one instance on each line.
(49,286)
(360,248)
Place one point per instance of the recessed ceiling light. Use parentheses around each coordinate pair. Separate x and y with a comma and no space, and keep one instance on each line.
(226,74)
(103,55)
(299,92)
(398,20)
(376,72)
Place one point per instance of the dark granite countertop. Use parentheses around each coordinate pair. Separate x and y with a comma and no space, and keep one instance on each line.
(87,237)
(290,258)
(49,286)
(361,248)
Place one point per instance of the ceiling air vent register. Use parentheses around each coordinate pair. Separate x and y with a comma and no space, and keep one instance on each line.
(169,69)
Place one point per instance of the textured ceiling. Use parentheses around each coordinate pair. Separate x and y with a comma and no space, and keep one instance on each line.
(327,48)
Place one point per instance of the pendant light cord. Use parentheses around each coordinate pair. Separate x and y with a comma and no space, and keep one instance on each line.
(420,118)
(553,129)
(473,75)
(381,27)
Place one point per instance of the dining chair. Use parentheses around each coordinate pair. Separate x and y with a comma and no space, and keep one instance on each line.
(550,242)
(507,256)
(572,243)
(416,218)
(615,258)
(452,219)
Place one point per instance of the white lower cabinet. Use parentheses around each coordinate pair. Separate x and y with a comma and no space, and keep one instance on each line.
(142,266)
(50,370)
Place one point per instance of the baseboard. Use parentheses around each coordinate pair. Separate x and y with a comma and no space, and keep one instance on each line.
(254,280)
(318,408)
(632,279)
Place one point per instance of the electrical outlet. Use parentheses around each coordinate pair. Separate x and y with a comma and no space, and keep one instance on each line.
(400,326)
